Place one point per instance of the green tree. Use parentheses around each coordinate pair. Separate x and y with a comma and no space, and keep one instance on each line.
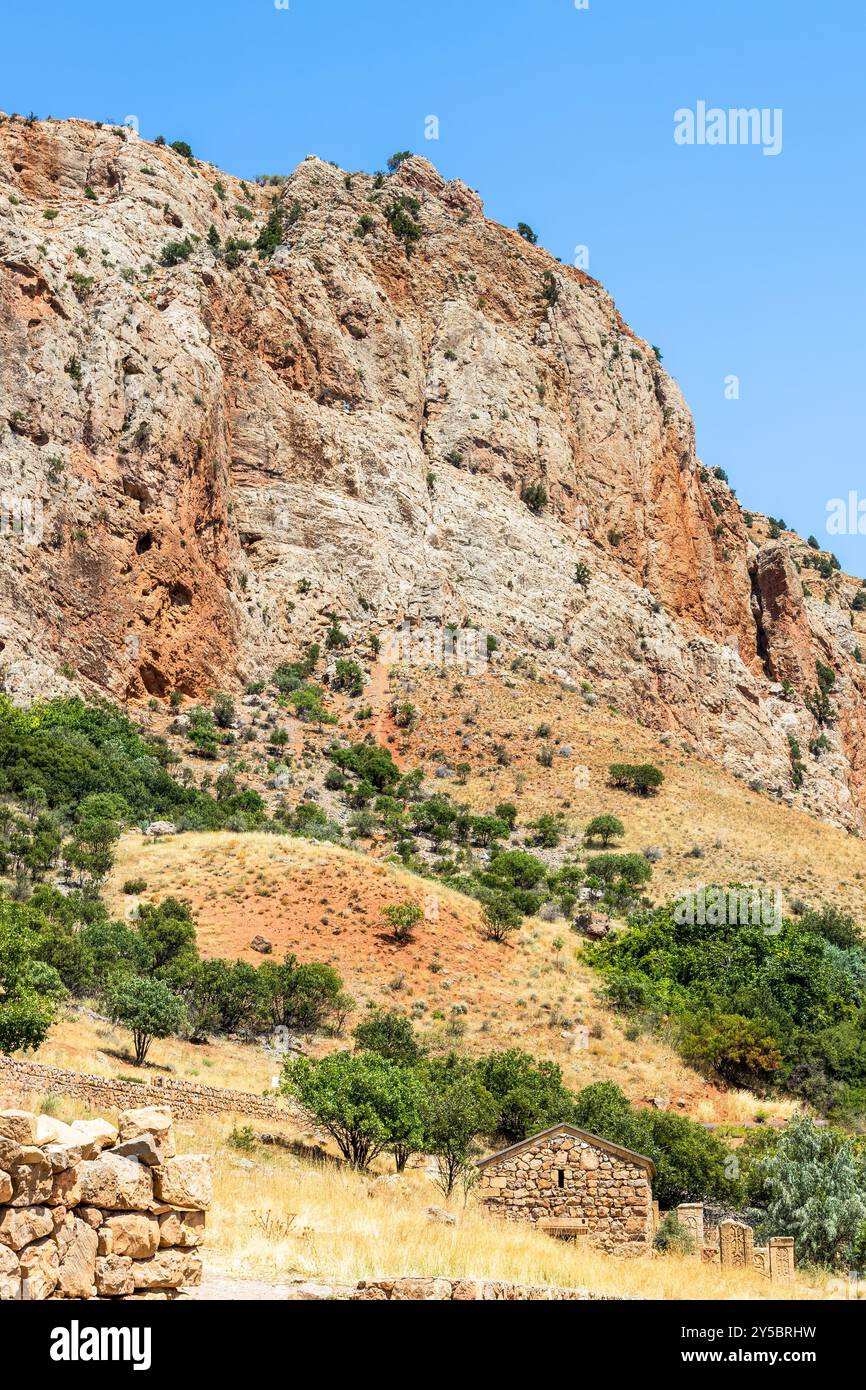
(501,917)
(815,1188)
(741,1050)
(149,1009)
(202,733)
(90,850)
(167,930)
(529,1095)
(300,997)
(604,828)
(27,994)
(403,918)
(459,1110)
(365,1102)
(391,1035)
(397,159)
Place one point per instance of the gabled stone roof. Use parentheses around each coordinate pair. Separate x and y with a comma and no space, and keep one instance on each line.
(575,1133)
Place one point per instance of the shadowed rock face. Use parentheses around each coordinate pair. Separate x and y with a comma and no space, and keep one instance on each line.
(199,437)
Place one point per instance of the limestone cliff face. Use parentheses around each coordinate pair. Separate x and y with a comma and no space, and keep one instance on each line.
(201,436)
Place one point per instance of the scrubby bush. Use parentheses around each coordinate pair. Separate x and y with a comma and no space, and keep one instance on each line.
(391,1035)
(642,778)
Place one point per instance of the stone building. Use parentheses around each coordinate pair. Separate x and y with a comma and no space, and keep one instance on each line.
(574,1184)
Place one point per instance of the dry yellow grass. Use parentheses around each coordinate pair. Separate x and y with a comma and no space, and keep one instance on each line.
(92,1045)
(286,1218)
(744,836)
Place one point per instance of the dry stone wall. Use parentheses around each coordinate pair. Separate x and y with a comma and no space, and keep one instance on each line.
(94,1210)
(410,1288)
(19,1078)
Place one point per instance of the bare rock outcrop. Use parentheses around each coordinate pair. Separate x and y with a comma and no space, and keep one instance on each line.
(442,436)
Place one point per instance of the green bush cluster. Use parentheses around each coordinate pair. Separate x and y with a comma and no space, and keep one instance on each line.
(752,1002)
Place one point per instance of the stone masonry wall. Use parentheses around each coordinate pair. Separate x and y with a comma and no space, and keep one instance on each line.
(605,1197)
(411,1288)
(18,1078)
(94,1210)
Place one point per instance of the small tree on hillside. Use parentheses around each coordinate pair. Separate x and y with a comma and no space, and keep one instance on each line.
(91,850)
(390,1035)
(403,918)
(501,917)
(168,931)
(604,828)
(149,1009)
(301,997)
(642,778)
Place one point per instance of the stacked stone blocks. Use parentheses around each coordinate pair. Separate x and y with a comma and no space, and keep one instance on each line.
(93,1210)
(186,1099)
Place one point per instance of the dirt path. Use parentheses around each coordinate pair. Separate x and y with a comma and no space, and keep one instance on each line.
(224,1288)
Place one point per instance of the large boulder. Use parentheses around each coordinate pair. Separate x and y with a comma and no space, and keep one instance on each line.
(10,1274)
(32,1184)
(52,1131)
(40,1266)
(145,1149)
(114,1275)
(63,1156)
(148,1120)
(116,1183)
(158,828)
(76,1275)
(21,1225)
(95,1135)
(65,1188)
(183,1228)
(132,1233)
(18,1125)
(10,1154)
(186,1182)
(170,1269)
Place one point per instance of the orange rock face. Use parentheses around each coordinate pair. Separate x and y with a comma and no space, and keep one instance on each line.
(441,436)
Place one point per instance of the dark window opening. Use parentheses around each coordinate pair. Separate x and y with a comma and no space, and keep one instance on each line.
(561,1177)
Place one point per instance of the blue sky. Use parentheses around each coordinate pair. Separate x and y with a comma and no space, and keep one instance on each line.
(732,261)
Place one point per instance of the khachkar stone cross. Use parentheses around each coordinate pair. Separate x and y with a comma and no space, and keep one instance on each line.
(781,1258)
(691,1216)
(736,1244)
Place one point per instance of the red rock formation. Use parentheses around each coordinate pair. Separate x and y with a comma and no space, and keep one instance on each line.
(201,435)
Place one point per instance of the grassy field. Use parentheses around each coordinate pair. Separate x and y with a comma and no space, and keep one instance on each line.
(87,1043)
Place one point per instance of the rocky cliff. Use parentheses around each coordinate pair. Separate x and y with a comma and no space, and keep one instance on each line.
(396,409)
